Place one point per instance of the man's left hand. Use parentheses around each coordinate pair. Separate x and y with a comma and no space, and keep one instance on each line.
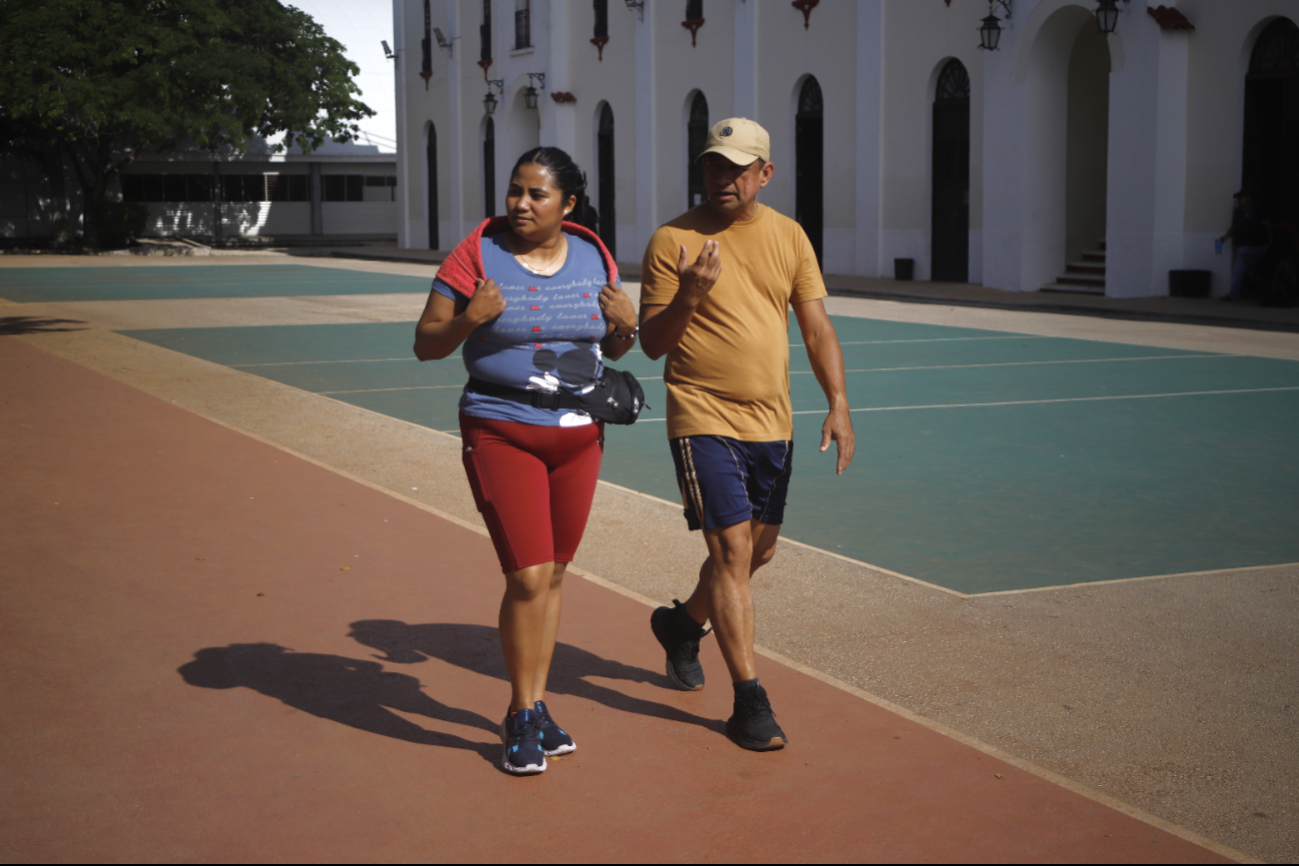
(838,428)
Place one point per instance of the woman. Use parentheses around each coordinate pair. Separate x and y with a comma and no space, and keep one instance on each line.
(536,303)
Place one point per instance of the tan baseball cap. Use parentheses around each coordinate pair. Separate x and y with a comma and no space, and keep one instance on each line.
(739,140)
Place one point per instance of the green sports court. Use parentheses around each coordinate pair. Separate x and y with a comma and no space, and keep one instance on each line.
(987,461)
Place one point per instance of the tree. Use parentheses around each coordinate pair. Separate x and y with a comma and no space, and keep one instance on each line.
(104,80)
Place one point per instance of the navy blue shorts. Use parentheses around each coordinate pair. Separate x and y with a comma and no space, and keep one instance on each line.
(724,481)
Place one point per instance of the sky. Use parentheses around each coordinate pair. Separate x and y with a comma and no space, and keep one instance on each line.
(361,25)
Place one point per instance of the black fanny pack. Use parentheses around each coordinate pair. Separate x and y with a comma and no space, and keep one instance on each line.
(616,399)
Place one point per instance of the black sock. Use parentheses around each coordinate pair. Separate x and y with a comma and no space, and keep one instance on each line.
(686,622)
(747,687)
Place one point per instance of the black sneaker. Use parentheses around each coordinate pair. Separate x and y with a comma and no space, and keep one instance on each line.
(680,636)
(554,739)
(752,724)
(523,754)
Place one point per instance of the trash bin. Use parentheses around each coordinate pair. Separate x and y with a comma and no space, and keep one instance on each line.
(904,269)
(1188,284)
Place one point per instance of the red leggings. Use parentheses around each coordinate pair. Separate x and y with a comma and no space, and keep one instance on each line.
(533,485)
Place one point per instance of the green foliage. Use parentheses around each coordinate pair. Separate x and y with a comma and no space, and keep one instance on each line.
(120,221)
(109,78)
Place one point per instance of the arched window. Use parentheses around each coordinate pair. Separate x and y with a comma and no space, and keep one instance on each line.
(809,172)
(1270,169)
(431,155)
(606,178)
(950,199)
(489,168)
(696,136)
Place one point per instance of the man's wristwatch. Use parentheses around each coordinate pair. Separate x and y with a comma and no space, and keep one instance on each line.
(630,336)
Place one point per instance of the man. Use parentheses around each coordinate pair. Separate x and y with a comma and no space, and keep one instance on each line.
(1251,236)
(723,323)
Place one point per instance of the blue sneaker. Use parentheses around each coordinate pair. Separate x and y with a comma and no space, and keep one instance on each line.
(554,739)
(523,755)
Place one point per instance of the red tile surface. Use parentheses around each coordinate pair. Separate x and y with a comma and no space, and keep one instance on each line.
(156,706)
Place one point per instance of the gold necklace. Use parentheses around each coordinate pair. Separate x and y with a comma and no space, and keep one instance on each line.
(543,270)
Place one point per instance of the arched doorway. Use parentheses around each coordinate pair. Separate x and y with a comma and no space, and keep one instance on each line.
(950,200)
(431,170)
(1270,170)
(809,148)
(1087,159)
(489,168)
(696,136)
(606,179)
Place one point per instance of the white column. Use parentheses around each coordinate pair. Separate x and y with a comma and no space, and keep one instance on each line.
(746,59)
(646,152)
(1146,204)
(870,95)
(456,227)
(403,144)
(1004,133)
(562,131)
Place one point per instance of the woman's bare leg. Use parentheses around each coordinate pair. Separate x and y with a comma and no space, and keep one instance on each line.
(550,633)
(523,626)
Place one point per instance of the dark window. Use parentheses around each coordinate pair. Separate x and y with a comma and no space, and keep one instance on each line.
(696,136)
(243,187)
(489,169)
(694,10)
(607,179)
(431,155)
(950,201)
(809,174)
(132,187)
(355,187)
(333,187)
(288,187)
(1271,148)
(173,186)
(153,188)
(198,187)
(522,25)
(485,33)
(601,18)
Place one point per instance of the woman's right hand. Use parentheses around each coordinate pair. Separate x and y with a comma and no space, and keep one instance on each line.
(486,304)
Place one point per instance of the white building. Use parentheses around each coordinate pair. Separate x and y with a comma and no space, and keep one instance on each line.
(893,134)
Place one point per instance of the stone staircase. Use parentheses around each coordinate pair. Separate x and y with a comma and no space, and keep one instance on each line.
(1086,277)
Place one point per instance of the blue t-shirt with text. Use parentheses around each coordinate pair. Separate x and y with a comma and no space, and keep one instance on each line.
(547,339)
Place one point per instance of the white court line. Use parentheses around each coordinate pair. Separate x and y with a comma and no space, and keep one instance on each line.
(933,340)
(409,388)
(1037,402)
(638,351)
(341,361)
(1025,363)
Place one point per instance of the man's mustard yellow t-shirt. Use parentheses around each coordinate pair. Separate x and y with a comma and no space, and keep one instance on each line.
(730,374)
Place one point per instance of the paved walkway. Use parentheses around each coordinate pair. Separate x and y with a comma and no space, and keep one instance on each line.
(221,651)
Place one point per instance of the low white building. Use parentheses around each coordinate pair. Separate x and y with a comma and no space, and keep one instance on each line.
(1110,159)
(339,190)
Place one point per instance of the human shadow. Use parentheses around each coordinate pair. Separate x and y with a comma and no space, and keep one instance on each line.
(360,694)
(12,326)
(477,648)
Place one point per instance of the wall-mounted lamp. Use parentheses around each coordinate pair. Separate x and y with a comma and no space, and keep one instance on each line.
(443,42)
(1107,16)
(530,95)
(489,101)
(387,52)
(990,29)
(639,6)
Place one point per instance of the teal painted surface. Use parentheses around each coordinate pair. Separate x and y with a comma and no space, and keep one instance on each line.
(31,285)
(974,498)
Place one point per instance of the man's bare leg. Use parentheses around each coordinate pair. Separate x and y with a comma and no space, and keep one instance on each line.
(724,592)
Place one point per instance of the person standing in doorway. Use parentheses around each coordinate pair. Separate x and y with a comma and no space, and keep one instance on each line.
(1251,235)
(718,283)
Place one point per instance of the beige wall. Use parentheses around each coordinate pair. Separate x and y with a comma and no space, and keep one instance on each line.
(1087,150)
